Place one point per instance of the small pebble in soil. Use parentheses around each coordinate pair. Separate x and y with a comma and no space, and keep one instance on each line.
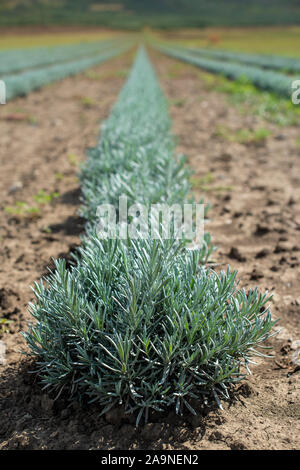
(295,345)
(17,186)
(2,353)
(295,358)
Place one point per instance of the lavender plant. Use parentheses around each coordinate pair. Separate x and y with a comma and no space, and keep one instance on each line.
(143,325)
(20,84)
(142,322)
(17,60)
(267,80)
(273,62)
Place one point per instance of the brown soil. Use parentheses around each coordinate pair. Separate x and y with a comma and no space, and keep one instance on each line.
(255,222)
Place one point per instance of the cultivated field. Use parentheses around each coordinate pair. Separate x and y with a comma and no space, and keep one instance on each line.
(235,123)
(273,40)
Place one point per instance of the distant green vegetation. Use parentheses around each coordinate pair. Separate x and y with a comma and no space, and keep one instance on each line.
(278,40)
(23,40)
(18,60)
(272,62)
(20,84)
(135,14)
(271,81)
(264,104)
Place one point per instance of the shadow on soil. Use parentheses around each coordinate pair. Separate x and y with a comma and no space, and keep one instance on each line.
(33,419)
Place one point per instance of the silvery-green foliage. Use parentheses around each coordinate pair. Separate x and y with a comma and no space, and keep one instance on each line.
(18,60)
(291,64)
(141,322)
(267,80)
(135,156)
(23,83)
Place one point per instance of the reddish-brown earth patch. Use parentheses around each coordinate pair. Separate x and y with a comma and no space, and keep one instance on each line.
(255,222)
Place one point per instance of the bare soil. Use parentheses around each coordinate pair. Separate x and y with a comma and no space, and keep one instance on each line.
(254,192)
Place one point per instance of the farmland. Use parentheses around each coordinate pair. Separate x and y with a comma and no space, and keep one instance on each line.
(22,83)
(239,134)
(258,40)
